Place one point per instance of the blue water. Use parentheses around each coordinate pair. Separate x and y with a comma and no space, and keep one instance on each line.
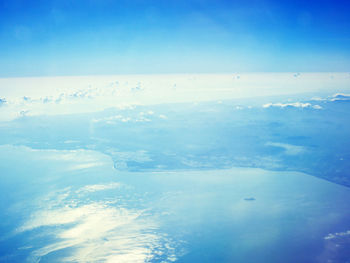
(74,206)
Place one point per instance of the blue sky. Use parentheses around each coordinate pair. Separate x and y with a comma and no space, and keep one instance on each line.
(75,37)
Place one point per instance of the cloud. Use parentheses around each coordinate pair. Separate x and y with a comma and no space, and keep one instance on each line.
(289,149)
(334,97)
(336,247)
(75,159)
(340,96)
(317,107)
(336,235)
(318,99)
(98,187)
(129,117)
(69,95)
(111,120)
(161,116)
(77,156)
(85,165)
(2,101)
(294,105)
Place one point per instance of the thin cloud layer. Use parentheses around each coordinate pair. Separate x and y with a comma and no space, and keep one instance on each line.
(293,105)
(68,95)
(2,101)
(340,96)
(289,149)
(98,187)
(336,235)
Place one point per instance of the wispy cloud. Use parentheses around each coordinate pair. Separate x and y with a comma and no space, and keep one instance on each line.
(141,117)
(85,165)
(336,235)
(164,117)
(75,159)
(2,101)
(65,95)
(340,96)
(294,105)
(334,97)
(98,187)
(288,148)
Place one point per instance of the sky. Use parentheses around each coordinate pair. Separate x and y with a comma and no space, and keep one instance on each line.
(103,37)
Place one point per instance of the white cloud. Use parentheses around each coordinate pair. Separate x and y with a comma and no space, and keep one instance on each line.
(318,99)
(98,187)
(336,235)
(137,156)
(2,101)
(317,107)
(288,148)
(295,105)
(340,96)
(334,97)
(85,165)
(70,141)
(120,118)
(74,159)
(76,156)
(53,95)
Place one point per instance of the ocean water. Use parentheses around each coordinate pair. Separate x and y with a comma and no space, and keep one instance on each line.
(74,206)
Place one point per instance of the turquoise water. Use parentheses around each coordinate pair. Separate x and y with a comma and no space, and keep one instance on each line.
(74,206)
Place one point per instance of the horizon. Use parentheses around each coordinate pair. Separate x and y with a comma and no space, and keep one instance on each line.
(77,94)
(180,74)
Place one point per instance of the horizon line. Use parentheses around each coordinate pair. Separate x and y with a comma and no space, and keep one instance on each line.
(175,74)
